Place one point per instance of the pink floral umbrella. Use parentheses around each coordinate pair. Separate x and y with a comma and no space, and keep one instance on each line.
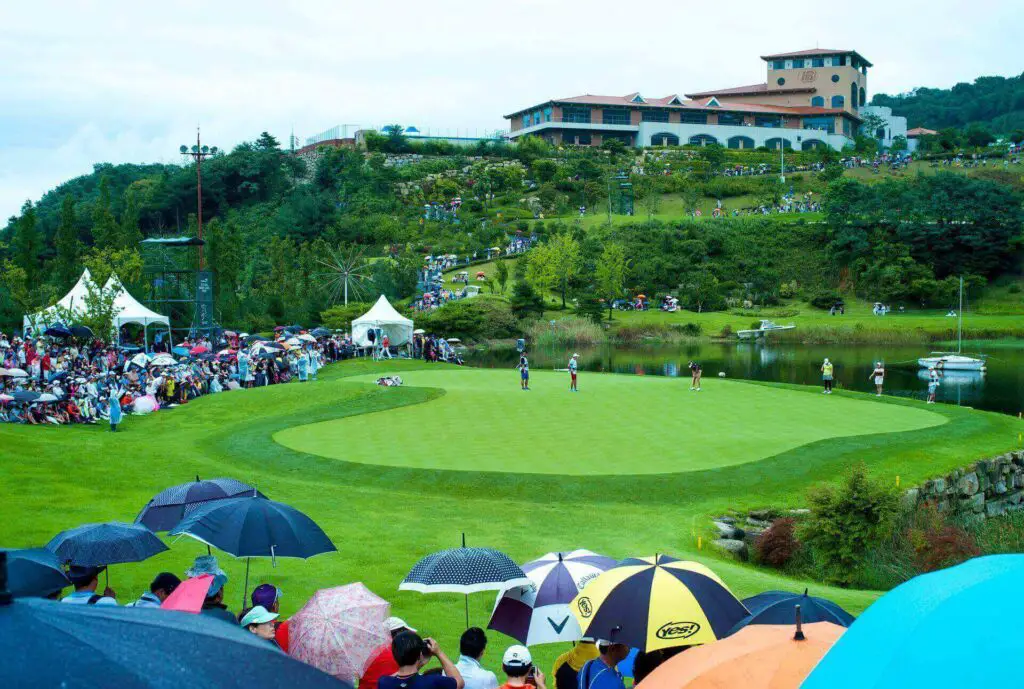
(338,629)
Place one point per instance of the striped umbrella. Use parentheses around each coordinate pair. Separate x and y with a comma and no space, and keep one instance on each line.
(657,602)
(539,613)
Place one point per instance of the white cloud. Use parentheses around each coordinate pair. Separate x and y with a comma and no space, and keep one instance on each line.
(86,82)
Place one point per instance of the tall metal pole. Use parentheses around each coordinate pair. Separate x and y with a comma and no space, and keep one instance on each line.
(199,197)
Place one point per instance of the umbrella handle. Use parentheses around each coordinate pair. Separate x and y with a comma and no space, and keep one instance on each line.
(245,588)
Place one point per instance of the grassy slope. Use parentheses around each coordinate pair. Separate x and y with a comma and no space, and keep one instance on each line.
(384,518)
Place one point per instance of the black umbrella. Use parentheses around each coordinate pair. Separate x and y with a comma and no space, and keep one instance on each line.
(34,572)
(320,332)
(779,607)
(255,527)
(256,338)
(106,543)
(25,395)
(58,330)
(81,331)
(98,646)
(169,506)
(465,570)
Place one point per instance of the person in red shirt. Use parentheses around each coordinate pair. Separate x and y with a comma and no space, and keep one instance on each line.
(382,662)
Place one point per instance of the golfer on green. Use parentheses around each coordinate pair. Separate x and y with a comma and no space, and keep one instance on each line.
(524,370)
(573,367)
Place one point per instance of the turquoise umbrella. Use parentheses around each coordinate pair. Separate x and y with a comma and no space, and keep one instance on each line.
(958,627)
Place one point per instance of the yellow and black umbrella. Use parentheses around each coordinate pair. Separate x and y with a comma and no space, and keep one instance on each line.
(657,602)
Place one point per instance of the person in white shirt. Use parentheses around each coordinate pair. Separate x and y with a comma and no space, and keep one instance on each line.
(471,649)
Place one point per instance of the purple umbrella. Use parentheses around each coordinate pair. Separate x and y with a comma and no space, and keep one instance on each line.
(540,614)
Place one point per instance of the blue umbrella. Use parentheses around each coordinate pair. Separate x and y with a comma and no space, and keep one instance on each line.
(181,351)
(779,607)
(935,631)
(169,506)
(34,572)
(58,330)
(95,646)
(106,543)
(254,526)
(25,395)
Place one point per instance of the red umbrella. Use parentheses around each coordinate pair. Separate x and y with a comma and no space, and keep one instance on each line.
(199,349)
(189,595)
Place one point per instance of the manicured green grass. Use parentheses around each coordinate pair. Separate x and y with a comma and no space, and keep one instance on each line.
(383,518)
(548,430)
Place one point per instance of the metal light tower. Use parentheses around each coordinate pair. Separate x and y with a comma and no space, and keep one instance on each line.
(198,152)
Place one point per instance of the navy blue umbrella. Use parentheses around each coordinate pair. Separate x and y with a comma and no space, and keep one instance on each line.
(255,527)
(779,607)
(25,395)
(98,646)
(107,543)
(81,331)
(58,330)
(169,506)
(34,572)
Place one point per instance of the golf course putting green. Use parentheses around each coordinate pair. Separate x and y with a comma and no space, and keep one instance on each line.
(615,425)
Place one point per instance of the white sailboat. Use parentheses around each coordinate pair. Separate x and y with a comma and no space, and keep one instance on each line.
(954,361)
(761,330)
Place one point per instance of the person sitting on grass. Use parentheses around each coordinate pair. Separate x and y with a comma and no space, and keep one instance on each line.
(517,664)
(412,653)
(602,672)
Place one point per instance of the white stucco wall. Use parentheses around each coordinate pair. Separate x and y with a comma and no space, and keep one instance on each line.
(894,124)
(723,133)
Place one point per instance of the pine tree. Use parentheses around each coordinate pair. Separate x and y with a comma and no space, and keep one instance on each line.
(129,234)
(66,243)
(26,243)
(104,225)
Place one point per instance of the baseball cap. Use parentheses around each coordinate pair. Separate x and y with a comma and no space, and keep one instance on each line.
(394,624)
(258,615)
(517,656)
(266,595)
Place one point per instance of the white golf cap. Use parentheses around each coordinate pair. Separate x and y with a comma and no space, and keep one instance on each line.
(393,624)
(517,656)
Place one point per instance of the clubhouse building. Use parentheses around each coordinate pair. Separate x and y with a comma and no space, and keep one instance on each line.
(809,99)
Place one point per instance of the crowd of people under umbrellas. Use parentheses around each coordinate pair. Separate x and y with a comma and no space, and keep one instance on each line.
(56,379)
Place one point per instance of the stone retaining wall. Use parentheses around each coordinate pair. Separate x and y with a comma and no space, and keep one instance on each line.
(987,488)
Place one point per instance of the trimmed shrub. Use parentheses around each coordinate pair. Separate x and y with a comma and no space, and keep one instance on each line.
(825,299)
(479,318)
(938,543)
(778,544)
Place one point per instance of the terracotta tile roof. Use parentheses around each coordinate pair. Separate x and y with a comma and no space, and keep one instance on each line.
(752,90)
(921,131)
(815,51)
(695,104)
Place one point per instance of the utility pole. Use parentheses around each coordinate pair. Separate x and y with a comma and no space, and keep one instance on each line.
(198,152)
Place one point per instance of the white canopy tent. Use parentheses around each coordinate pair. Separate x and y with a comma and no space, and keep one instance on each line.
(382,317)
(73,301)
(129,310)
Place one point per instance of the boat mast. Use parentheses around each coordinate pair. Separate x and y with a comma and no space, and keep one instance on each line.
(960,319)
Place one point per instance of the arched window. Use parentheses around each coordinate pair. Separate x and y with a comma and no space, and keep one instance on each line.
(837,101)
(812,145)
(741,142)
(863,95)
(853,95)
(818,102)
(664,139)
(702,140)
(777,143)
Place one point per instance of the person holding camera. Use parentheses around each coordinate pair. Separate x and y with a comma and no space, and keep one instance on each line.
(518,666)
(412,653)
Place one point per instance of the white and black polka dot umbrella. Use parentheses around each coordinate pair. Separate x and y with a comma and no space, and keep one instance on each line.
(464,570)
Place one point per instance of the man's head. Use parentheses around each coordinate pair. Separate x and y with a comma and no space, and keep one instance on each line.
(409,649)
(396,625)
(163,585)
(473,643)
(267,595)
(84,578)
(612,653)
(517,661)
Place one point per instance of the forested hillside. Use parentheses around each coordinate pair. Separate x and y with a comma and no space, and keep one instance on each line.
(996,103)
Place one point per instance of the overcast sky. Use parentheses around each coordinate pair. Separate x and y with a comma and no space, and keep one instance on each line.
(85,82)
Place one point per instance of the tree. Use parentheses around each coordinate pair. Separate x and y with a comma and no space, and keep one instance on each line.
(66,243)
(699,291)
(27,243)
(126,264)
(129,234)
(544,170)
(501,274)
(564,261)
(530,148)
(29,297)
(872,125)
(899,144)
(610,274)
(1017,136)
(525,301)
(104,226)
(978,136)
(539,270)
(267,142)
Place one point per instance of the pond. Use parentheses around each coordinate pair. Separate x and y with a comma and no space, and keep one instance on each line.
(1000,389)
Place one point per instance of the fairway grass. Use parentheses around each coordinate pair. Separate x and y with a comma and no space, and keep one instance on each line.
(617,425)
(383,518)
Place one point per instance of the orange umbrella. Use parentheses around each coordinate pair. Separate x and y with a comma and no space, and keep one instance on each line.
(759,656)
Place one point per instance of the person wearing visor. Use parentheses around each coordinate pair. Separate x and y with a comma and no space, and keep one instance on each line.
(260,622)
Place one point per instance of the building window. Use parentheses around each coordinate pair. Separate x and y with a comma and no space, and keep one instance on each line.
(583,139)
(818,62)
(812,145)
(863,96)
(536,118)
(613,116)
(767,121)
(730,118)
(846,127)
(835,78)
(693,118)
(853,95)
(654,116)
(702,140)
(547,114)
(576,114)
(818,102)
(837,101)
(779,64)
(664,139)
(740,142)
(780,81)
(778,142)
(827,124)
